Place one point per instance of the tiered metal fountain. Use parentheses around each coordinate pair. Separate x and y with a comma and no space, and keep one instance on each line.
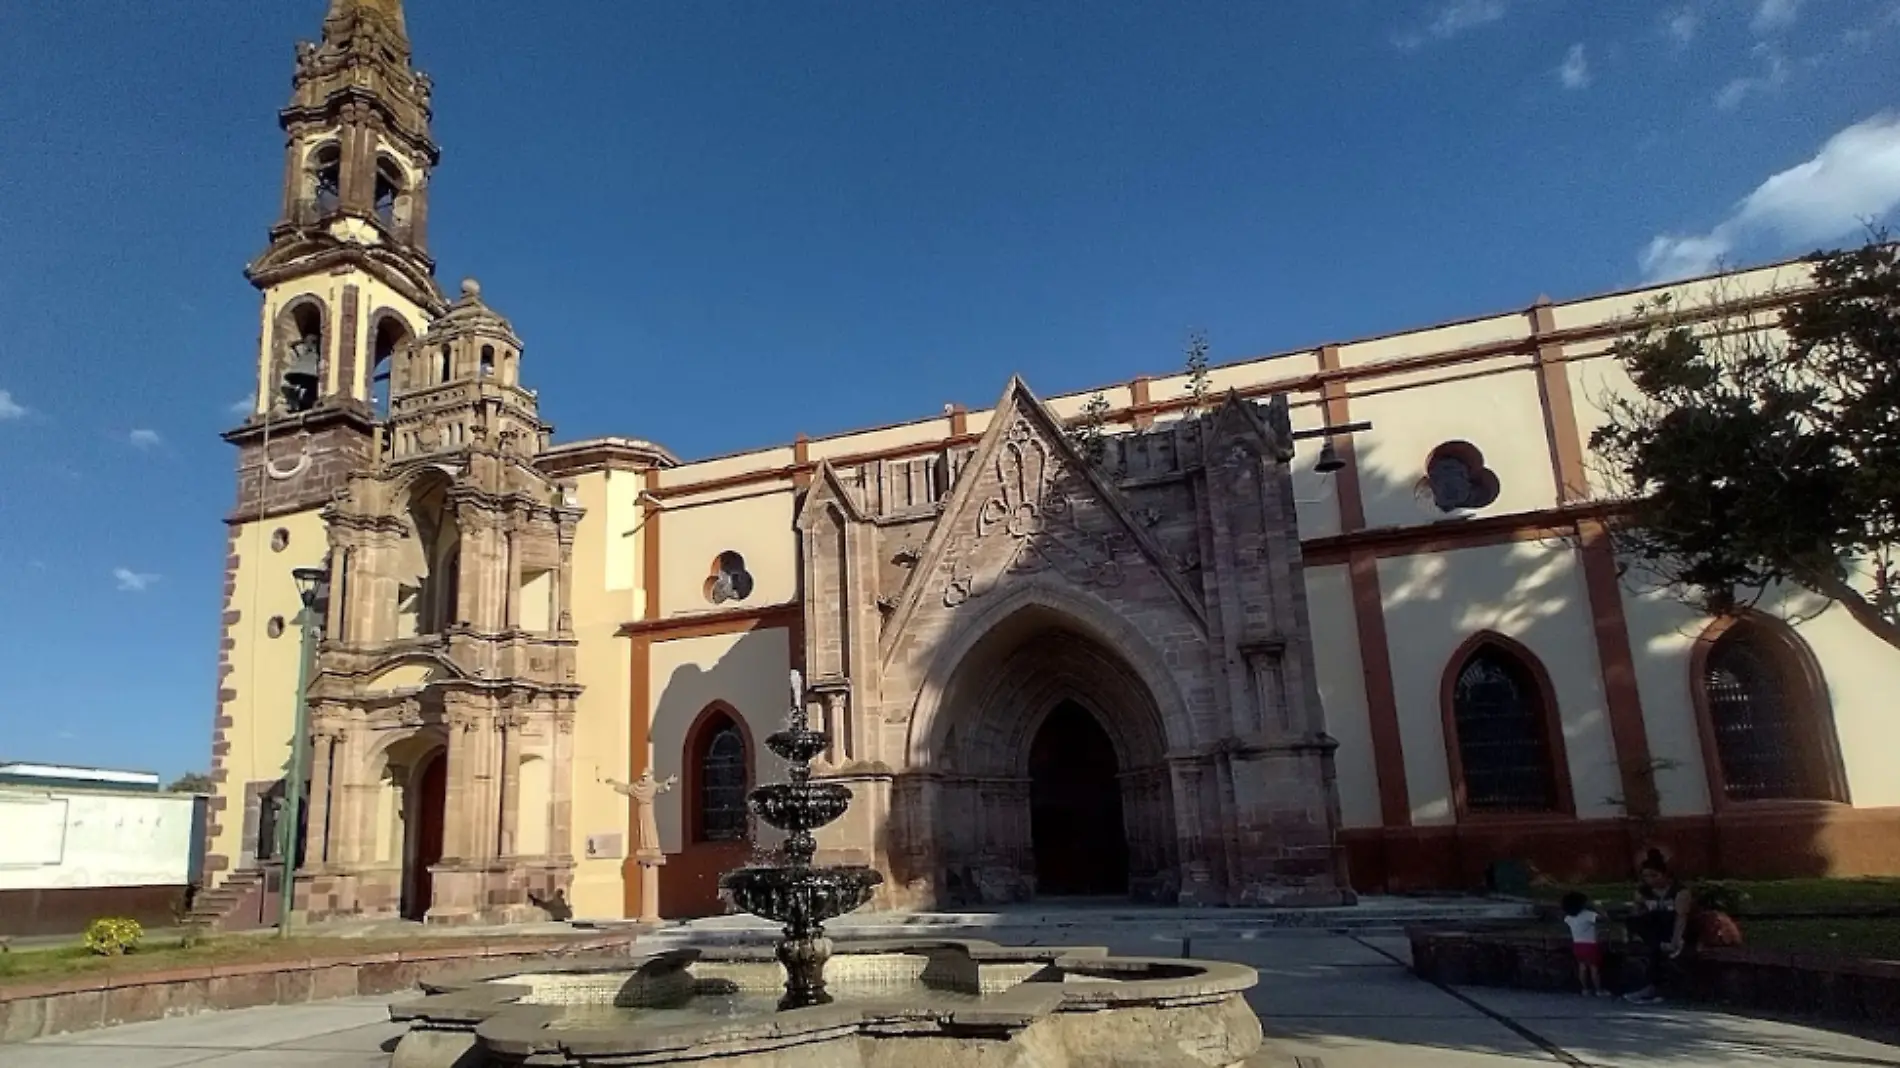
(798,894)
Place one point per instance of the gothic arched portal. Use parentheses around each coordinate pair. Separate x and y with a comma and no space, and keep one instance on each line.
(1048,772)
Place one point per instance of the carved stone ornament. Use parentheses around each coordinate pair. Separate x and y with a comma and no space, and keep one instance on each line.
(296,466)
(1033,510)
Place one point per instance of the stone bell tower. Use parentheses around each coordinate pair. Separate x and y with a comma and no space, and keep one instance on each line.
(442,711)
(346,282)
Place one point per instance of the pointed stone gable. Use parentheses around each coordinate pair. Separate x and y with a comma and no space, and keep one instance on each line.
(1027,503)
(827,489)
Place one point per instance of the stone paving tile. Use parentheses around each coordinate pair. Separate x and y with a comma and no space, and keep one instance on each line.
(1685,1038)
(370,1038)
(1372,1042)
(237,1029)
(267,1058)
(40,1055)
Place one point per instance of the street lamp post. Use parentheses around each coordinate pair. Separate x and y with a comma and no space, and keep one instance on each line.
(312,585)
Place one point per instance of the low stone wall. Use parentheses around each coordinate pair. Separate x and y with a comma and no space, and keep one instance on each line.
(31,1010)
(1839,988)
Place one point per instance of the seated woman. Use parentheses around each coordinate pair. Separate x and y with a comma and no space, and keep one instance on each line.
(1660,921)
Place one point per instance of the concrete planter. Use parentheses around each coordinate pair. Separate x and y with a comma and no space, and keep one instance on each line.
(80,1003)
(1838,988)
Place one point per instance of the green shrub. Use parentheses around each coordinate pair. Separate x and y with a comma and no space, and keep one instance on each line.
(1718,896)
(110,936)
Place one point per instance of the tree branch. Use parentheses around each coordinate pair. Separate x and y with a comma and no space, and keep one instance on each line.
(1836,589)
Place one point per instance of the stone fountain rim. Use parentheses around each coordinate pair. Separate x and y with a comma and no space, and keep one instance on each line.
(486,1004)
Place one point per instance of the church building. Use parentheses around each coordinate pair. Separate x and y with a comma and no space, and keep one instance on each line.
(1331,622)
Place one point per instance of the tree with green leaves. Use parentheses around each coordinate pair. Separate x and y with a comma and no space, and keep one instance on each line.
(1198,386)
(193,782)
(1759,450)
(1090,429)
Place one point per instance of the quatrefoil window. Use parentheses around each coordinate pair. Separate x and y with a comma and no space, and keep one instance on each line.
(1456,478)
(729,580)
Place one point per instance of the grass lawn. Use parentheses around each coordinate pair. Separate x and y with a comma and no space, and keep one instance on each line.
(1877,939)
(1764,895)
(158,954)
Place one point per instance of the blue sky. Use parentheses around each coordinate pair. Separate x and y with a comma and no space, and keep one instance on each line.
(719,224)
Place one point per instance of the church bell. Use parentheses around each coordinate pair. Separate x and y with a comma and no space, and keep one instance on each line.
(299,382)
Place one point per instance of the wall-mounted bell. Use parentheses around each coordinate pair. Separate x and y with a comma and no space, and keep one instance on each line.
(1329,458)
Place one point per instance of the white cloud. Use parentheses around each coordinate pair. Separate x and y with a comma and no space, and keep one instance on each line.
(245,406)
(1853,180)
(144,439)
(1574,71)
(133,581)
(1683,25)
(1772,16)
(1454,18)
(1773,76)
(9,408)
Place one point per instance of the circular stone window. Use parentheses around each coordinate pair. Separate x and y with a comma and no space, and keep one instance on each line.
(275,628)
(279,540)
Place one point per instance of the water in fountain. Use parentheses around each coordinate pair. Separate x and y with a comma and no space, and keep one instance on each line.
(798,894)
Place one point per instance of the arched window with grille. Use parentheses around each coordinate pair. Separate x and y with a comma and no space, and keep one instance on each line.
(719,769)
(1767,728)
(1503,739)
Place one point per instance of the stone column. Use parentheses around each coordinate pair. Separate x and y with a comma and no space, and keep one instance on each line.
(1197,886)
(561,793)
(335,613)
(353,801)
(510,724)
(460,789)
(317,829)
(512,593)
(560,592)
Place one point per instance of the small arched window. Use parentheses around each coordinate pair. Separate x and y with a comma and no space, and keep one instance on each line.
(391,333)
(389,189)
(1504,740)
(447,365)
(1766,712)
(717,759)
(488,360)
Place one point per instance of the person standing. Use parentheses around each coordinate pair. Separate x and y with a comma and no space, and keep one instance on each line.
(1582,921)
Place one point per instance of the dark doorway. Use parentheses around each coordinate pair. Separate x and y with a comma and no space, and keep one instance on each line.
(425,835)
(1075,807)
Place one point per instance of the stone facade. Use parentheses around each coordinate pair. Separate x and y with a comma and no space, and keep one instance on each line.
(1158,587)
(448,639)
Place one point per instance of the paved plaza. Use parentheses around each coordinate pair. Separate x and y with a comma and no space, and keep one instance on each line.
(1334,1000)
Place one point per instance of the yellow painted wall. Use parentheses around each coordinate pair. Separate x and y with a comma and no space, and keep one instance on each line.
(756,526)
(1530,592)
(265,668)
(748,671)
(1500,414)
(1342,691)
(603,598)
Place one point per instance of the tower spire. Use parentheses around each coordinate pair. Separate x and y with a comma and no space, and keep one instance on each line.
(346,15)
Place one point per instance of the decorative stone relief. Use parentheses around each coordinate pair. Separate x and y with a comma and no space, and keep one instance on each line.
(1032,509)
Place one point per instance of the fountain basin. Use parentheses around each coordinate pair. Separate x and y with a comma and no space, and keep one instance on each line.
(898,1005)
(810,894)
